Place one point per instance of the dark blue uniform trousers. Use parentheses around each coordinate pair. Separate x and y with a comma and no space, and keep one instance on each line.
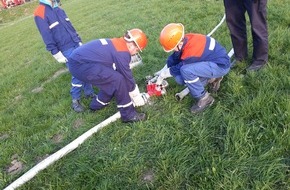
(76,84)
(110,83)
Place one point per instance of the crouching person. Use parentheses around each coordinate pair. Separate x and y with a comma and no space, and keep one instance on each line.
(197,60)
(104,63)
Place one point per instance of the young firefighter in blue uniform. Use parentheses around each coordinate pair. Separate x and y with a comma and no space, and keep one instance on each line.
(196,61)
(105,64)
(61,38)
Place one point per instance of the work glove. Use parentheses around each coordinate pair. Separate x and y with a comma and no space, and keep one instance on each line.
(137,97)
(60,57)
(165,73)
(158,72)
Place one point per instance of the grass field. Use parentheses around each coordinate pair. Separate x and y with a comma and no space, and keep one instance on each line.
(241,142)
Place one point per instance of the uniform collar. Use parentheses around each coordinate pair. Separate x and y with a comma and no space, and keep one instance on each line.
(46,2)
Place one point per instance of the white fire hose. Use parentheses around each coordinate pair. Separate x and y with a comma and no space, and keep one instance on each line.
(60,153)
(73,145)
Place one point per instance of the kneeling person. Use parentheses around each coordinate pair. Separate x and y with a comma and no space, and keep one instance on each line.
(104,63)
(197,60)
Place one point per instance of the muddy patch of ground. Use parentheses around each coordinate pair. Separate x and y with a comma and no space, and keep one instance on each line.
(148,176)
(15,166)
(57,138)
(78,123)
(4,137)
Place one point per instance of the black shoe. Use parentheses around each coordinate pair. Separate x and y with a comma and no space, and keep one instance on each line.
(256,66)
(77,107)
(202,103)
(136,118)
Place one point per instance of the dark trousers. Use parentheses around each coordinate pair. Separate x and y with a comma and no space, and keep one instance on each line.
(110,83)
(76,85)
(236,21)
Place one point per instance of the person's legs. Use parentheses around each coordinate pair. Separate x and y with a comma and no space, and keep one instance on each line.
(88,90)
(111,84)
(97,103)
(194,75)
(236,21)
(75,91)
(76,87)
(258,17)
(179,80)
(107,91)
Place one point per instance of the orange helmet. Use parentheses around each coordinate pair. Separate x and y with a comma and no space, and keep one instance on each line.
(138,36)
(171,35)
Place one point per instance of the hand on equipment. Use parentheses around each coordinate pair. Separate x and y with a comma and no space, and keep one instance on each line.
(165,73)
(158,72)
(137,97)
(60,57)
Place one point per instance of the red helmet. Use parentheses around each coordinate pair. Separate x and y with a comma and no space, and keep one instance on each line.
(136,35)
(171,35)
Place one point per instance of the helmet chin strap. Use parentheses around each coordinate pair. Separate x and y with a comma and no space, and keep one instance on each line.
(179,44)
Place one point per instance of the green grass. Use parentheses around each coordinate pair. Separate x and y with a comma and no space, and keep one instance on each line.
(241,142)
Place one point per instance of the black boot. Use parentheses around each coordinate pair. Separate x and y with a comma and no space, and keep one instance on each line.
(136,118)
(77,106)
(256,66)
(202,103)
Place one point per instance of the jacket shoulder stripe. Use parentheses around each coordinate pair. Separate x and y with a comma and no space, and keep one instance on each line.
(39,11)
(212,44)
(119,44)
(195,46)
(103,41)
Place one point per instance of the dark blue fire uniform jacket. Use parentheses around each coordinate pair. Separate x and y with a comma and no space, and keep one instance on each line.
(55,28)
(199,59)
(104,63)
(59,35)
(198,48)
